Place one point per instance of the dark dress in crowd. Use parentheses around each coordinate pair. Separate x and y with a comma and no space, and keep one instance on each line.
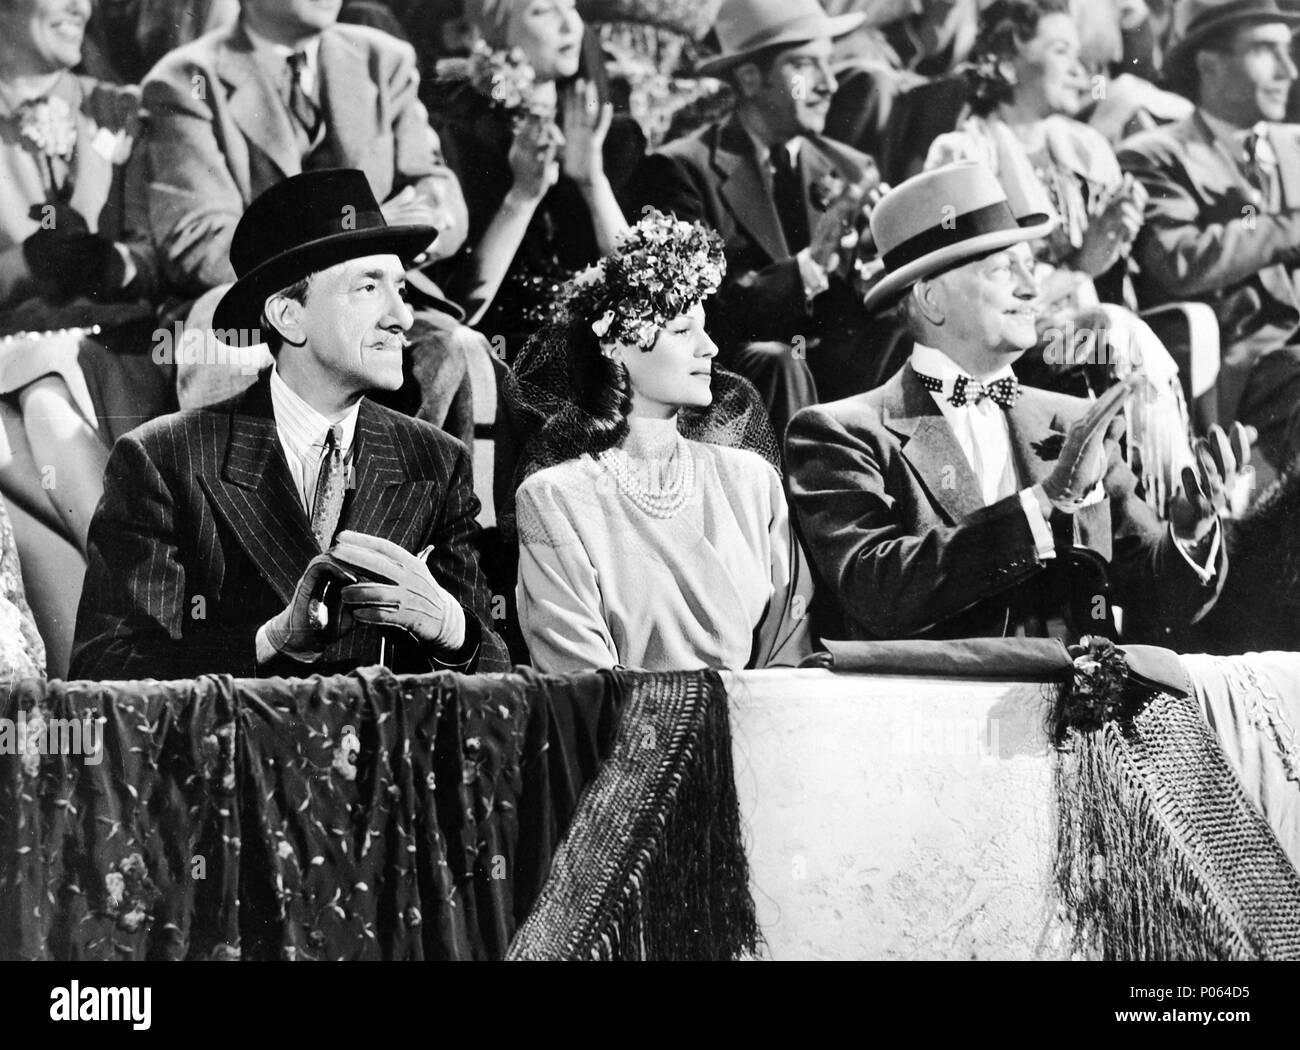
(561,238)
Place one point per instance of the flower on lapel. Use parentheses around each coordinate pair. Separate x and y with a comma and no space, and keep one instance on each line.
(48,124)
(825,189)
(1050,447)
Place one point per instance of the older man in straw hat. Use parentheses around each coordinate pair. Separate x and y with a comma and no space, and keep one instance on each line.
(298,527)
(783,197)
(951,502)
(1223,210)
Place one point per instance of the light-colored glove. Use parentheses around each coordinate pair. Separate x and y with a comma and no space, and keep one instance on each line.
(295,631)
(1084,455)
(411,599)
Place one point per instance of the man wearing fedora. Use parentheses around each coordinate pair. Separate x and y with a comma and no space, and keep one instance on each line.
(223,531)
(1223,211)
(783,197)
(282,90)
(952,502)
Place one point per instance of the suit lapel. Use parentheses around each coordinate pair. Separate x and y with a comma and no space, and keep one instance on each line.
(348,96)
(818,160)
(930,446)
(1218,173)
(374,507)
(1287,147)
(745,190)
(255,495)
(255,104)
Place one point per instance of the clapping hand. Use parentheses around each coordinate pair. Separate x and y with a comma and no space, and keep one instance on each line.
(840,226)
(534,156)
(1114,222)
(586,123)
(1218,486)
(1084,455)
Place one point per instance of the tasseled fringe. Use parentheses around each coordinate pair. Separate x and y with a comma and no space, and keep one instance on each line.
(653,865)
(1159,855)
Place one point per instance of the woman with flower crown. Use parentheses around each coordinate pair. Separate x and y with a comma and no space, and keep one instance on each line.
(640,547)
(527,142)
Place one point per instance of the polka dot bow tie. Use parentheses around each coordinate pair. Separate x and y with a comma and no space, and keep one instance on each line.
(968,391)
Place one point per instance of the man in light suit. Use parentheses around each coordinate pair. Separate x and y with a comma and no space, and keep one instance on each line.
(284,90)
(782,196)
(298,527)
(1223,210)
(951,502)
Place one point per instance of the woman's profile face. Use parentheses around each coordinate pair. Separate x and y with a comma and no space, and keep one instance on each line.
(549,32)
(677,372)
(48,32)
(1048,70)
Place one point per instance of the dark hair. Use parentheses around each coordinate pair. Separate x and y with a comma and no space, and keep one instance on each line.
(601,387)
(1004,27)
(298,293)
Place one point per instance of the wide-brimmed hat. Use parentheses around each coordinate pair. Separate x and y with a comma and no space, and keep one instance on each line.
(940,218)
(305,224)
(1197,22)
(745,27)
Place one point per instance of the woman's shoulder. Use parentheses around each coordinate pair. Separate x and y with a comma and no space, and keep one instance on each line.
(1083,148)
(739,464)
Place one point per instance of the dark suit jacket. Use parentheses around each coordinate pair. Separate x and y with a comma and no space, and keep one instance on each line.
(1209,236)
(713,176)
(200,538)
(893,518)
(220,134)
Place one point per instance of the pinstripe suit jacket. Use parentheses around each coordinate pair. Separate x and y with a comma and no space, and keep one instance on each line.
(200,538)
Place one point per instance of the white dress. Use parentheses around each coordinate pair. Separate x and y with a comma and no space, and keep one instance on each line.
(602,583)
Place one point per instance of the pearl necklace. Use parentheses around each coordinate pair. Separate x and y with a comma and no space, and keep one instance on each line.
(660,502)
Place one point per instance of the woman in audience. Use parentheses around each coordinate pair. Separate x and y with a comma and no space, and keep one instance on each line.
(74,253)
(638,546)
(1026,82)
(526,140)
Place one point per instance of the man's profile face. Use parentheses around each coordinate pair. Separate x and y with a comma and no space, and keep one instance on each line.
(295,17)
(989,303)
(797,93)
(353,317)
(1250,79)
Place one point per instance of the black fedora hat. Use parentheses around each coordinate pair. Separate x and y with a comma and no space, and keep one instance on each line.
(1198,22)
(307,223)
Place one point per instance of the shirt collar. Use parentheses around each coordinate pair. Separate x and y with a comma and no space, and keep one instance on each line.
(1232,136)
(276,56)
(938,365)
(300,426)
(763,152)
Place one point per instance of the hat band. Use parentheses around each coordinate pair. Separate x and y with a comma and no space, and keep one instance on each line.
(992,218)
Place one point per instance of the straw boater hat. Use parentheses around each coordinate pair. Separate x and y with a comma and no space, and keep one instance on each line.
(941,218)
(1198,22)
(745,27)
(307,223)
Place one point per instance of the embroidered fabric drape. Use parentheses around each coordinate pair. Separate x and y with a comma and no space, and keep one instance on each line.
(366,817)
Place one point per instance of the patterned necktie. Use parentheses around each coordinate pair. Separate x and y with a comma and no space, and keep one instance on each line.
(328,504)
(1261,161)
(300,104)
(787,194)
(1003,392)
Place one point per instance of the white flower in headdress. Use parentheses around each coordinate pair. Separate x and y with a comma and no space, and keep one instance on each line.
(602,325)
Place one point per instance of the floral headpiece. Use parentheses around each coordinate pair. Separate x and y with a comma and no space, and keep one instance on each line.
(504,77)
(658,270)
